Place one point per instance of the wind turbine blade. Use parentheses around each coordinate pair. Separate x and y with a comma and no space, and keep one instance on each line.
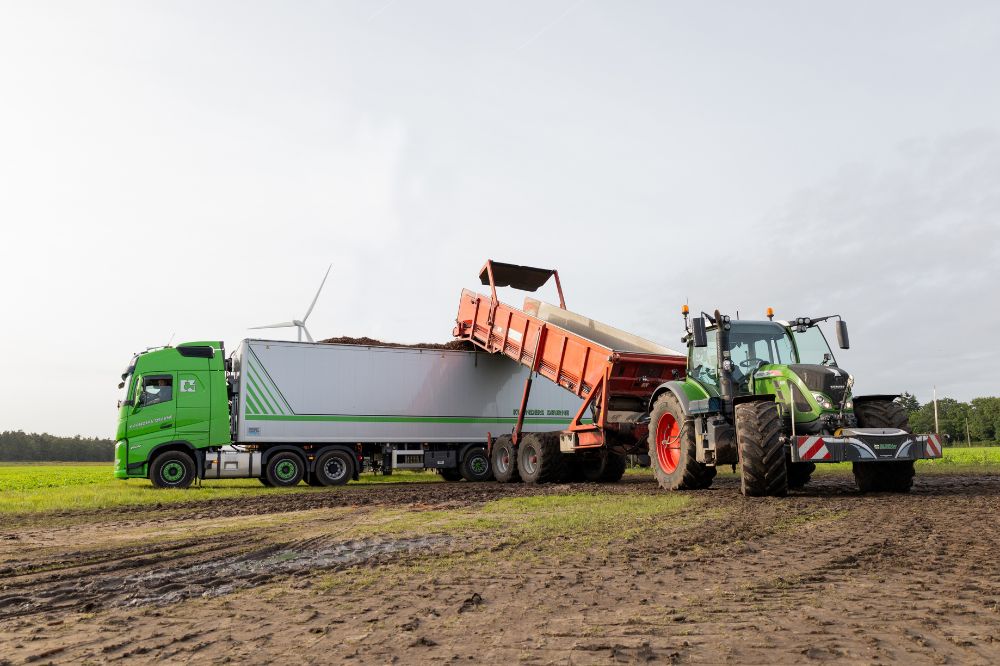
(284,324)
(316,297)
(299,333)
(308,337)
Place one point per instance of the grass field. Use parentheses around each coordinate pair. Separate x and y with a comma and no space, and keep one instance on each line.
(35,488)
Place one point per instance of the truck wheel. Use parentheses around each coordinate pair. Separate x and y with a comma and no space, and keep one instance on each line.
(264,482)
(172,469)
(891,476)
(504,460)
(334,468)
(285,469)
(539,459)
(312,481)
(762,455)
(672,448)
(799,473)
(609,468)
(450,474)
(476,466)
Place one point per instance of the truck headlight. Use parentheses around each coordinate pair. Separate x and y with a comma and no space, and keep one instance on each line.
(822,400)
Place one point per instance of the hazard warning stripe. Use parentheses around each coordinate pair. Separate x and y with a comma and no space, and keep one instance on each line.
(813,448)
(933,447)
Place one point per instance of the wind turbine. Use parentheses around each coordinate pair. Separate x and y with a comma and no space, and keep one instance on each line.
(300,324)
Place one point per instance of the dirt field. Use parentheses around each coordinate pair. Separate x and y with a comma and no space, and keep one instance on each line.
(486,572)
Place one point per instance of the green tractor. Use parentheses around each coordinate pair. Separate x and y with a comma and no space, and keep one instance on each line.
(769,397)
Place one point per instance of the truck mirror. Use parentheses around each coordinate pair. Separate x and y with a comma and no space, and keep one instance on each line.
(842,339)
(698,332)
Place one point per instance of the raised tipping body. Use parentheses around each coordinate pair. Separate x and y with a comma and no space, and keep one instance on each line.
(613,371)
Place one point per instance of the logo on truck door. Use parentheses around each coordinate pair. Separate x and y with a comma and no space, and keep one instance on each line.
(187,386)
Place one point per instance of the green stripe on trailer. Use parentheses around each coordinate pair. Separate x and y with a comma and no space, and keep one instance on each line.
(261,398)
(255,377)
(343,418)
(258,369)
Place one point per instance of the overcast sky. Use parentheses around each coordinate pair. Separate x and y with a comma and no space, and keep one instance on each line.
(189,169)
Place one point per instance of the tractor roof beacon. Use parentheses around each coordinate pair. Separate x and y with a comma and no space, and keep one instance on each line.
(768,396)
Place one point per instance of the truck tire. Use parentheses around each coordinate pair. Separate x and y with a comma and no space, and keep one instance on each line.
(539,459)
(799,473)
(672,448)
(450,474)
(609,468)
(172,469)
(762,455)
(334,468)
(476,465)
(312,481)
(891,476)
(504,461)
(285,469)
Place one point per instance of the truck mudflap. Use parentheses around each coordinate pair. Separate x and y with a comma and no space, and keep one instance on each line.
(870,444)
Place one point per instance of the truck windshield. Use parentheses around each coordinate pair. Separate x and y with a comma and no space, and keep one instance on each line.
(813,347)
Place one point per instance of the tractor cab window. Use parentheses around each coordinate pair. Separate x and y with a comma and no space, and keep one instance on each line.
(704,364)
(156,389)
(813,347)
(753,344)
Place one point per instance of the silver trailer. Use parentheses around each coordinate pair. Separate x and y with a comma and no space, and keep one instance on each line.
(391,407)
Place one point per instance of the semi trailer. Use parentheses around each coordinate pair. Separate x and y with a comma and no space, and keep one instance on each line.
(287,412)
(766,396)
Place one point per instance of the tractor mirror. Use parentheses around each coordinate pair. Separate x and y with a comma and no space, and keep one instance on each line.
(698,332)
(842,339)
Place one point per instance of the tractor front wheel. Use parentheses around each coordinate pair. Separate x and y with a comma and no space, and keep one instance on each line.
(672,448)
(762,455)
(890,476)
(799,473)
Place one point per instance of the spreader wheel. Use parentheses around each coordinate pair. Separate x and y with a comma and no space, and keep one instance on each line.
(539,459)
(672,448)
(504,461)
(762,455)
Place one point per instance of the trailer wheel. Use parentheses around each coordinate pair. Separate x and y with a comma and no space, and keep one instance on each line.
(285,469)
(539,459)
(762,455)
(172,469)
(608,468)
(334,468)
(504,460)
(672,448)
(799,473)
(476,465)
(890,476)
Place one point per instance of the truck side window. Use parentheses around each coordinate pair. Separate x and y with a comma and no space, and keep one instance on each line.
(157,389)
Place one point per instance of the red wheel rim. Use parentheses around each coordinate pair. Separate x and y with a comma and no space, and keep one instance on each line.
(668,443)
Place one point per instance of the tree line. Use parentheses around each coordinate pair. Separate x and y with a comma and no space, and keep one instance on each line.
(20,446)
(977,420)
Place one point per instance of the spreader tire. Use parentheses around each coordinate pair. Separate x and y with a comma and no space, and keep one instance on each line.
(285,469)
(672,448)
(539,459)
(476,465)
(891,476)
(614,468)
(334,468)
(762,455)
(504,459)
(172,469)
(799,473)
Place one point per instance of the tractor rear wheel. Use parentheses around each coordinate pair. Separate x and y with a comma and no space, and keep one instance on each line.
(762,455)
(891,476)
(672,448)
(539,459)
(504,459)
(799,473)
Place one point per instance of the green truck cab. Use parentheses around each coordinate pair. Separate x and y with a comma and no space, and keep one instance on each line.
(175,399)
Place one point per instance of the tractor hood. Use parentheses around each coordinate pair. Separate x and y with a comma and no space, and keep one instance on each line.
(822,378)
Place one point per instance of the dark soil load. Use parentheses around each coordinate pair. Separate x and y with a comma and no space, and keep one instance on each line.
(454,345)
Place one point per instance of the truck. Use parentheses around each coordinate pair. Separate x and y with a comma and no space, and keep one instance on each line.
(765,396)
(287,412)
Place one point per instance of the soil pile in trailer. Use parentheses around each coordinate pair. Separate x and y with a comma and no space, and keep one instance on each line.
(453,345)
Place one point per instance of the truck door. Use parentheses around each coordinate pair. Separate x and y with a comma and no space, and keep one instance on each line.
(153,416)
(193,407)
